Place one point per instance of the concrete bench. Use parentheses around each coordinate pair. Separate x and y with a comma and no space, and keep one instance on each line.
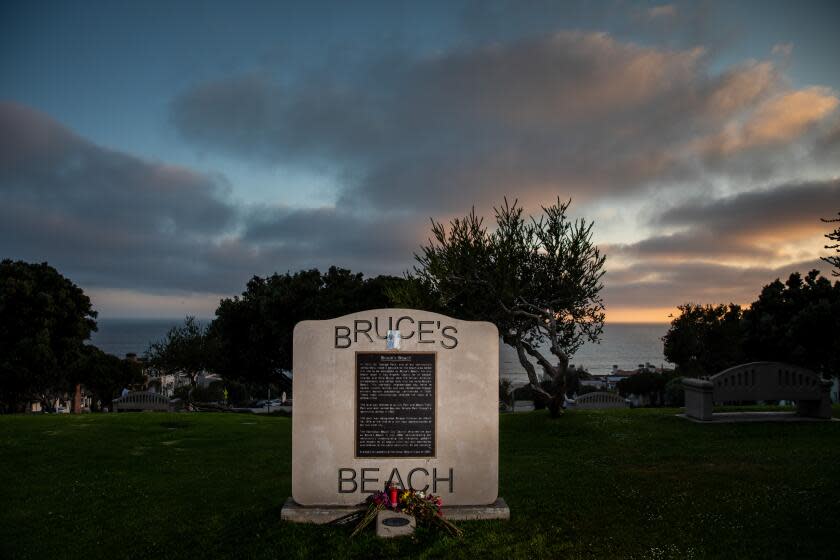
(759,381)
(142,400)
(600,399)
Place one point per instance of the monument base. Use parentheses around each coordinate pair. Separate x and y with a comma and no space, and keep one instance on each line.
(296,513)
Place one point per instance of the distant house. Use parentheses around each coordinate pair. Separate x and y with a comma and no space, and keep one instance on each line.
(63,403)
(617,375)
(596,382)
(205,378)
(166,383)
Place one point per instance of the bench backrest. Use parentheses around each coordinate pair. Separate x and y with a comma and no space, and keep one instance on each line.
(600,399)
(764,381)
(141,400)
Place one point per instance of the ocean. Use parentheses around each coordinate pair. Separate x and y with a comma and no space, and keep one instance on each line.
(130,336)
(624,345)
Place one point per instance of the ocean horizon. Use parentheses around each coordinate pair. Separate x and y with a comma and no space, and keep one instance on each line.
(623,344)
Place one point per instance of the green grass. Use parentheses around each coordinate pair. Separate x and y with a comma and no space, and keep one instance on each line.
(614,484)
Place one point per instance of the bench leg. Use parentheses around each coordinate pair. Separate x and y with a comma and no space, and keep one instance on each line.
(698,403)
(816,408)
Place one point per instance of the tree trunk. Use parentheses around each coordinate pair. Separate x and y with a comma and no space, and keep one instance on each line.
(540,395)
(555,405)
(557,401)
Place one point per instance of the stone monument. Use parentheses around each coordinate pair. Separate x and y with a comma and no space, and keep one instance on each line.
(395,395)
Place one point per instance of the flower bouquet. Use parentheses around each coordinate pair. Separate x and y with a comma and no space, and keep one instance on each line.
(426,509)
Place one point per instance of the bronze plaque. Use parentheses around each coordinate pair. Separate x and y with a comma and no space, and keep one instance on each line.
(395,404)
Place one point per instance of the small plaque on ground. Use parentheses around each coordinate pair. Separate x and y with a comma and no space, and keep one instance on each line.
(395,404)
(394,524)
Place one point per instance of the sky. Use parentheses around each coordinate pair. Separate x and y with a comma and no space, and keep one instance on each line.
(161,154)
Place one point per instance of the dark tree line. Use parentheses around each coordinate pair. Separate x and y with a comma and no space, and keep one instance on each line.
(537,279)
(249,341)
(45,321)
(253,332)
(797,321)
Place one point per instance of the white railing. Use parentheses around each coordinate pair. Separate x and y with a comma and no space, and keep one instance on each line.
(141,400)
(600,399)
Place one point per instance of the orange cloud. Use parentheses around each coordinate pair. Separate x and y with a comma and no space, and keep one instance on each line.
(741,87)
(787,116)
(778,120)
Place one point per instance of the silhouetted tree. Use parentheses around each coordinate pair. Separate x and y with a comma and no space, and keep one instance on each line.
(644,384)
(796,322)
(252,333)
(44,320)
(537,280)
(833,260)
(105,375)
(705,339)
(185,349)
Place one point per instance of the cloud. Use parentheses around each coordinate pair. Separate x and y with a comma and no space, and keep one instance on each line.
(785,209)
(120,224)
(672,284)
(775,121)
(783,49)
(739,88)
(102,217)
(412,136)
(110,218)
(757,226)
(665,11)
(331,236)
(695,243)
(827,145)
(579,114)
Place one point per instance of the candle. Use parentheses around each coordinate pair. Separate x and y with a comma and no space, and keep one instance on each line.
(393,496)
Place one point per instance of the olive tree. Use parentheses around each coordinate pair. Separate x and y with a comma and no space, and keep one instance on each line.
(537,279)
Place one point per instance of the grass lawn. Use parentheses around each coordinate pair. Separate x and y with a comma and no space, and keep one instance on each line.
(593,484)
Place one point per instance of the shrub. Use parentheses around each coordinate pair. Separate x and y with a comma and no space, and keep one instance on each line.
(212,393)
